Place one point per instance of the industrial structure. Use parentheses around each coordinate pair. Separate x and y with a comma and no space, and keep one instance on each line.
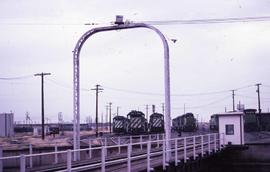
(6,124)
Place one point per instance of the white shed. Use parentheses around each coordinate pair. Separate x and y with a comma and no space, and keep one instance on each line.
(232,125)
(6,125)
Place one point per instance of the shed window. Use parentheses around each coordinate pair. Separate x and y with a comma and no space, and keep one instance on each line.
(230,129)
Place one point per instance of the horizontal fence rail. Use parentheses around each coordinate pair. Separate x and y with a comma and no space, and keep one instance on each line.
(124,150)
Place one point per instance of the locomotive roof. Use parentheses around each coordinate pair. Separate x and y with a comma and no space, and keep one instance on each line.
(135,113)
(229,114)
(119,117)
(156,114)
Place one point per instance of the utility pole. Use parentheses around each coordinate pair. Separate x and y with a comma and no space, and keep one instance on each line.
(233,100)
(259,99)
(259,105)
(163,108)
(106,118)
(117,110)
(42,101)
(98,90)
(184,108)
(102,124)
(110,116)
(153,108)
(146,108)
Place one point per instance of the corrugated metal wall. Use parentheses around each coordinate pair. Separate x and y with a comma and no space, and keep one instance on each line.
(6,124)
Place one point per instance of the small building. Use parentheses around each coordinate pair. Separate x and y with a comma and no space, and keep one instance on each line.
(6,124)
(232,125)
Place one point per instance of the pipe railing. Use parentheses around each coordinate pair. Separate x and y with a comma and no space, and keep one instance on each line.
(195,144)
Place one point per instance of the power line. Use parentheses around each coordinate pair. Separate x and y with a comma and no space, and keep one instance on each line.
(152,93)
(65,85)
(17,77)
(158,94)
(47,24)
(155,22)
(263,85)
(250,97)
(247,86)
(205,105)
(175,95)
(210,21)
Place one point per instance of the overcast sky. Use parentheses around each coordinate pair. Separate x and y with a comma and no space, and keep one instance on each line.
(39,36)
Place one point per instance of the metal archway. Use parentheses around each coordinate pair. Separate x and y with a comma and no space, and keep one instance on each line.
(76,81)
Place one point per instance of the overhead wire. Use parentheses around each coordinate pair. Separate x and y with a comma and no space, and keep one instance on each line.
(154,22)
(210,21)
(17,77)
(175,95)
(65,85)
(264,85)
(205,105)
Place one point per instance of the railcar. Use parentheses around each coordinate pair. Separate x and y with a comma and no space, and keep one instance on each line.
(156,123)
(186,123)
(251,120)
(120,125)
(189,122)
(265,121)
(137,122)
(177,124)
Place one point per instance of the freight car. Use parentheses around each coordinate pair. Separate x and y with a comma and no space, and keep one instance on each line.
(156,123)
(251,120)
(137,122)
(120,125)
(189,122)
(265,121)
(186,123)
(177,124)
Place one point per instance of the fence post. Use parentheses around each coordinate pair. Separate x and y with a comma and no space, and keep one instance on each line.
(119,143)
(194,147)
(129,158)
(1,161)
(103,159)
(90,149)
(215,142)
(157,140)
(223,139)
(148,156)
(141,141)
(202,151)
(185,149)
(149,137)
(209,143)
(130,141)
(30,158)
(55,155)
(22,163)
(105,146)
(219,141)
(68,160)
(164,155)
(176,152)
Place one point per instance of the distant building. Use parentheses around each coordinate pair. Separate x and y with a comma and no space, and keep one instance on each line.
(6,124)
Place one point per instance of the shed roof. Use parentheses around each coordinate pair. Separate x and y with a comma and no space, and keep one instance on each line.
(230,114)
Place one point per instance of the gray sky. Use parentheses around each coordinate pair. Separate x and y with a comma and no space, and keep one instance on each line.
(39,36)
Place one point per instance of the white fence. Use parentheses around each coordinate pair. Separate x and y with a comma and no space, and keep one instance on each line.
(182,148)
